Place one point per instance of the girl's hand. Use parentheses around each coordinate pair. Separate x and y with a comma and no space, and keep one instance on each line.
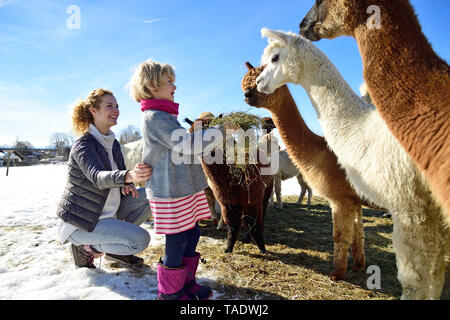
(140,173)
(130,188)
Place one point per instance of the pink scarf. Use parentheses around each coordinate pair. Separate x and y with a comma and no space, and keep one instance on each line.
(161,105)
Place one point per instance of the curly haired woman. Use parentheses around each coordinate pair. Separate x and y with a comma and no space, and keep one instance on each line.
(101,210)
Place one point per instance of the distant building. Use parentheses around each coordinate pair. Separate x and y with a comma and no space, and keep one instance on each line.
(15,158)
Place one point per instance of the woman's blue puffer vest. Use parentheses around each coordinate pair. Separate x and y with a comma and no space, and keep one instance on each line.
(88,182)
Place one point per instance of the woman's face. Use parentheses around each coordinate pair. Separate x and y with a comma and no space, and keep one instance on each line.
(105,116)
(167,89)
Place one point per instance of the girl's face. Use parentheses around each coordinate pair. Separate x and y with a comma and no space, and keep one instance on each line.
(167,89)
(107,113)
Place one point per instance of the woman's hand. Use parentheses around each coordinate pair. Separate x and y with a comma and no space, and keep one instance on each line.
(130,188)
(140,173)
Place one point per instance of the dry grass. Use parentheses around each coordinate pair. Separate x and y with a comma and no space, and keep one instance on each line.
(243,120)
(243,169)
(299,258)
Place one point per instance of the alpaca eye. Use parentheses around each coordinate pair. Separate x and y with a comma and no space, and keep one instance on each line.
(275,58)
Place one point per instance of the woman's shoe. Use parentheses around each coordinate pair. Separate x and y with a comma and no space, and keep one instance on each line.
(84,256)
(130,260)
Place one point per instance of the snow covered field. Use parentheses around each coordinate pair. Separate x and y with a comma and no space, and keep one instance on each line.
(35,265)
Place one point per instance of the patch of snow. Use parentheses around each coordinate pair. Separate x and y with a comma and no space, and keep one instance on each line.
(35,265)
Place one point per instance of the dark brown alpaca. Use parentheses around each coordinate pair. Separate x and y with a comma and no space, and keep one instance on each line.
(240,203)
(319,167)
(408,83)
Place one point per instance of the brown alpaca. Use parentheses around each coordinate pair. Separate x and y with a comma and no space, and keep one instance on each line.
(240,203)
(319,167)
(408,83)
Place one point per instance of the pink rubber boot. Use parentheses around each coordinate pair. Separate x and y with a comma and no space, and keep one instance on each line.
(191,287)
(171,282)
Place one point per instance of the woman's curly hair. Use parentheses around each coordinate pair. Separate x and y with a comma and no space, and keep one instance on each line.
(81,116)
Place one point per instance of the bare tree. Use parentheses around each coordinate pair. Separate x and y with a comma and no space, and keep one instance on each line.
(60,141)
(24,147)
(129,134)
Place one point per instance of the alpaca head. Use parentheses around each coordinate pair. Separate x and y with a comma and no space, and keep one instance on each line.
(332,18)
(255,98)
(275,55)
(288,58)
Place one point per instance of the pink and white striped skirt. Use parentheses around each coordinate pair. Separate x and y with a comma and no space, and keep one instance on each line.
(176,215)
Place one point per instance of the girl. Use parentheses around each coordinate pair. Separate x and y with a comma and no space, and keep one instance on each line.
(96,218)
(175,190)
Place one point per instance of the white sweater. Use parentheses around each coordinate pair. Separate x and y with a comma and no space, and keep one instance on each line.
(112,201)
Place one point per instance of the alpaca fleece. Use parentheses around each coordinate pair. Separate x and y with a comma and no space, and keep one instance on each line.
(375,162)
(320,169)
(408,82)
(240,203)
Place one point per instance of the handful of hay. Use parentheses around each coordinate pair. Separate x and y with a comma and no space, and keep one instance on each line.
(242,160)
(243,120)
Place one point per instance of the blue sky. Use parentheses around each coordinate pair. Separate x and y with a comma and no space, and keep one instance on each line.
(45,66)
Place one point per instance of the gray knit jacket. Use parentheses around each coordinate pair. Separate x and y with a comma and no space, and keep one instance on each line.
(172,177)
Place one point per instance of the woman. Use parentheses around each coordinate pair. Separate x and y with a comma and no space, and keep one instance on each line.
(96,218)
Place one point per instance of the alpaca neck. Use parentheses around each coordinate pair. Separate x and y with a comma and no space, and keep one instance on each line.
(333,99)
(398,59)
(302,144)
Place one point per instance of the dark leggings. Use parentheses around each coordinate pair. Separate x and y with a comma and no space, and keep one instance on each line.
(181,245)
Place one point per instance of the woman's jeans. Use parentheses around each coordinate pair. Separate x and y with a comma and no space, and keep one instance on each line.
(121,236)
(181,245)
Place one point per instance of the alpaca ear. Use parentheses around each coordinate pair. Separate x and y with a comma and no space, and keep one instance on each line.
(281,36)
(249,65)
(188,121)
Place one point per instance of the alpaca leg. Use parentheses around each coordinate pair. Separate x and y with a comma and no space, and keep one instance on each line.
(438,267)
(211,203)
(359,257)
(302,195)
(233,232)
(278,191)
(266,197)
(234,225)
(271,202)
(309,196)
(246,222)
(255,227)
(343,237)
(303,192)
(221,224)
(413,261)
(257,233)
(437,277)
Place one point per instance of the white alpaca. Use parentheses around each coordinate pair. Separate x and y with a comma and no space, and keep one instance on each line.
(375,163)
(288,170)
(132,154)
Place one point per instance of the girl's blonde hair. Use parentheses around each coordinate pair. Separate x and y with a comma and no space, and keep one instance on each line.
(81,116)
(147,77)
